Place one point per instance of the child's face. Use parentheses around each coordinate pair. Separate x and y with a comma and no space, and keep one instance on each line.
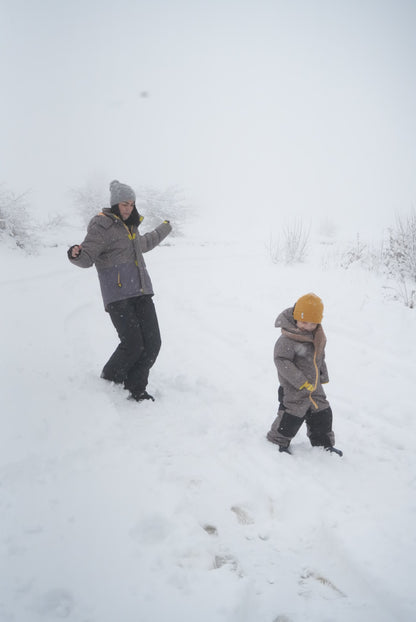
(308,326)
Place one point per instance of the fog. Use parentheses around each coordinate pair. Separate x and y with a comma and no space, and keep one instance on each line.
(261,110)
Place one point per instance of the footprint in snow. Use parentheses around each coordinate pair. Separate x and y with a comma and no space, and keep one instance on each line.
(242,516)
(310,579)
(230,562)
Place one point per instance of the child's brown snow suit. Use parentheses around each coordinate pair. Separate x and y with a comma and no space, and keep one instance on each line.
(300,359)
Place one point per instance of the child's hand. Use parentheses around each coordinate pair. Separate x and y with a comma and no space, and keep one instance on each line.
(308,386)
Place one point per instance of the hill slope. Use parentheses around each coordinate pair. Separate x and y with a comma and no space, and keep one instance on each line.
(181,510)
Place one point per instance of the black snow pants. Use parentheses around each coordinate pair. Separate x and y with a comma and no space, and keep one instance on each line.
(136,324)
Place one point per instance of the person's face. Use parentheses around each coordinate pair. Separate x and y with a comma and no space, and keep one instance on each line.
(308,326)
(125,208)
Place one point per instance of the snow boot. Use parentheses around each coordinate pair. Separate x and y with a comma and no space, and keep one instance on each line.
(144,395)
(334,450)
(284,450)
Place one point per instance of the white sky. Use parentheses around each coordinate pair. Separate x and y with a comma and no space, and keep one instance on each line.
(297,107)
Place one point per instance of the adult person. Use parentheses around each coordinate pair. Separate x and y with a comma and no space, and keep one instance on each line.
(113,244)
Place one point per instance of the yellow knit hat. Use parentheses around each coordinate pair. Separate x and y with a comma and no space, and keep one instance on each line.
(309,308)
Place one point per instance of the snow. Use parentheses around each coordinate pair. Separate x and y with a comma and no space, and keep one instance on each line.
(180,509)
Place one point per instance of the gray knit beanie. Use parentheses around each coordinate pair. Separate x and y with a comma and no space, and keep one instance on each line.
(120,192)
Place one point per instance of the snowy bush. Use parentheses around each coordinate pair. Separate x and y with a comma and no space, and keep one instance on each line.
(399,258)
(405,290)
(15,222)
(396,259)
(354,254)
(361,253)
(293,248)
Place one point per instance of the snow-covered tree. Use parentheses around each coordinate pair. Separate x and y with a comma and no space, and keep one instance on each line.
(15,221)
(157,205)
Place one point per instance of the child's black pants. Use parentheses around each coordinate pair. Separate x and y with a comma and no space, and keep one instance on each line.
(318,427)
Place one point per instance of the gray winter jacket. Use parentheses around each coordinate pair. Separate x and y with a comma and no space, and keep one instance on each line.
(117,254)
(300,357)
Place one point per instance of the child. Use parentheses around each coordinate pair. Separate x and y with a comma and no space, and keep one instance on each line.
(299,355)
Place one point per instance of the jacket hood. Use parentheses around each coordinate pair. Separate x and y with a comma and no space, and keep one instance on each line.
(286,320)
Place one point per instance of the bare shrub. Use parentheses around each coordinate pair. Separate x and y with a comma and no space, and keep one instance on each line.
(15,221)
(396,259)
(293,247)
(295,243)
(406,292)
(354,254)
(399,258)
(362,254)
(399,253)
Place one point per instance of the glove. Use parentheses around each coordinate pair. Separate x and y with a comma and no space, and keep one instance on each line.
(308,386)
(69,251)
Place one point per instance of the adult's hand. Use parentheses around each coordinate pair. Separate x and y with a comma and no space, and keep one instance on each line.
(74,251)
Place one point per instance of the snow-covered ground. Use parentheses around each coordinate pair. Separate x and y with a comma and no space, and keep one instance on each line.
(180,510)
